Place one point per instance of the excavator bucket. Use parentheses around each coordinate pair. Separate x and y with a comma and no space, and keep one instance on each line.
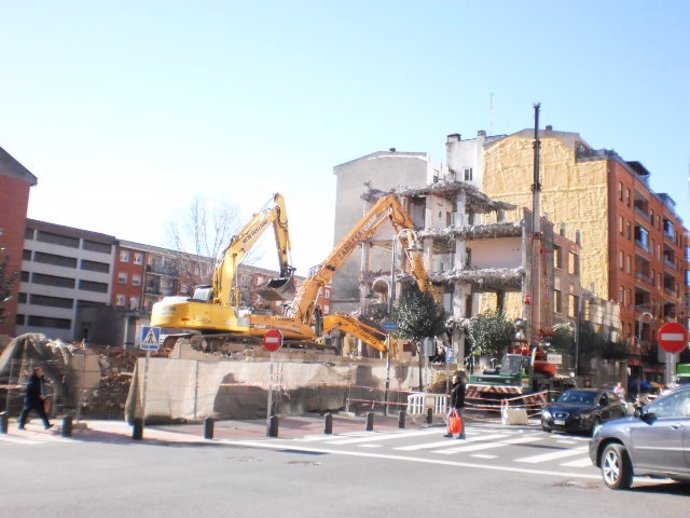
(280,288)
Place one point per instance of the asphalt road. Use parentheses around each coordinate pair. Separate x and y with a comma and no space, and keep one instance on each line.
(495,472)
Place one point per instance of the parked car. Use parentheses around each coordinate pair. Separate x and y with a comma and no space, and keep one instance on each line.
(654,442)
(581,410)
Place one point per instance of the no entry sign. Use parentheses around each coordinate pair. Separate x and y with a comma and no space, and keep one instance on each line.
(673,337)
(273,340)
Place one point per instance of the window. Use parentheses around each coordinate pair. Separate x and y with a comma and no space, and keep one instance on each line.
(134,303)
(56,323)
(95,246)
(22,298)
(620,191)
(620,260)
(627,197)
(642,238)
(138,258)
(621,297)
(628,264)
(93,286)
(52,280)
(56,260)
(95,266)
(557,301)
(557,257)
(29,233)
(573,264)
(26,255)
(621,225)
(56,239)
(124,256)
(56,302)
(120,300)
(122,277)
(20,319)
(628,229)
(136,280)
(24,276)
(468,174)
(572,306)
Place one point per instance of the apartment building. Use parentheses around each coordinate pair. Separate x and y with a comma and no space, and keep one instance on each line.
(64,270)
(15,183)
(633,242)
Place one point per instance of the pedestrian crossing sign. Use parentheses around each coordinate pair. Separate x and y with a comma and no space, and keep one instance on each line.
(150,337)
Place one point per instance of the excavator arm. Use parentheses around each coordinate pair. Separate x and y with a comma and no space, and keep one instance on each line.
(352,325)
(225,291)
(387,208)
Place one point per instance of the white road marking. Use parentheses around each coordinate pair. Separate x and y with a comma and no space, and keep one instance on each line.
(17,440)
(535,459)
(385,436)
(488,445)
(276,444)
(431,445)
(579,463)
(484,456)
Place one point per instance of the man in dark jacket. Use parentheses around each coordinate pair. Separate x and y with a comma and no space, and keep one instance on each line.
(456,403)
(35,398)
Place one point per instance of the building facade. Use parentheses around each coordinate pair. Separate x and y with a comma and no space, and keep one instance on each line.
(15,183)
(633,242)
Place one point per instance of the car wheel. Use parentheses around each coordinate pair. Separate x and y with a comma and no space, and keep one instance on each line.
(546,428)
(616,468)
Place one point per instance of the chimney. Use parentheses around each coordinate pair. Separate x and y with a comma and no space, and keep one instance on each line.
(548,127)
(391,149)
(481,133)
(453,137)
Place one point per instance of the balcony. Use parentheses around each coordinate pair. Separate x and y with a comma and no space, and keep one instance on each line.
(645,278)
(162,270)
(671,291)
(643,214)
(643,245)
(152,290)
(670,264)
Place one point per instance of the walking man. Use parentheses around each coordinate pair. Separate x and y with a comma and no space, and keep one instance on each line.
(35,398)
(457,403)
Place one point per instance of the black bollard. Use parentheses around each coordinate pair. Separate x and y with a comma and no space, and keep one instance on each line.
(138,429)
(370,421)
(208,427)
(67,426)
(401,419)
(429,415)
(3,422)
(272,428)
(328,424)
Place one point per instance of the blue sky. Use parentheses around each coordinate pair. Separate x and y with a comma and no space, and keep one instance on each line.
(155,102)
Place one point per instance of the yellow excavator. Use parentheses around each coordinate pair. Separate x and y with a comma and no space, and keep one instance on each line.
(213,312)
(215,308)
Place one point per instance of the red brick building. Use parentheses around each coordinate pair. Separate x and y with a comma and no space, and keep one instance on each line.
(15,183)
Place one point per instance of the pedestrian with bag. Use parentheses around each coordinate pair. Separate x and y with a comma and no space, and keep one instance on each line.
(456,408)
(35,398)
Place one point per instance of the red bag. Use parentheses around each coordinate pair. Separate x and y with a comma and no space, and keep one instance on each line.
(456,426)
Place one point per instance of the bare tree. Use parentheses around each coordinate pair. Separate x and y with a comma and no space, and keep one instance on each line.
(200,235)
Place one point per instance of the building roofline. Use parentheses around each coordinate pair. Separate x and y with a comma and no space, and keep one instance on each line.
(71,231)
(9,166)
(384,154)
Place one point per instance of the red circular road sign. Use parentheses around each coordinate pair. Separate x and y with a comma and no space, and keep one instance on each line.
(673,337)
(273,340)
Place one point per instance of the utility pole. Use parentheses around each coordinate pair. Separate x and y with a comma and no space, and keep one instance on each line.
(535,275)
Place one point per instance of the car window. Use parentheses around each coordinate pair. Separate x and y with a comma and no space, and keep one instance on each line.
(574,396)
(613,399)
(673,405)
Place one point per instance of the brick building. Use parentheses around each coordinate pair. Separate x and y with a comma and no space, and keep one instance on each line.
(15,183)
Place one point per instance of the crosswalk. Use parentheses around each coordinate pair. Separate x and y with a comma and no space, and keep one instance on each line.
(519,446)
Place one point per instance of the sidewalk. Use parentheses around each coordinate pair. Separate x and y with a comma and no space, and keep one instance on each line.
(118,431)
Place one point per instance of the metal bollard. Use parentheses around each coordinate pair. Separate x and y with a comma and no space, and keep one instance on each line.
(208,427)
(138,429)
(401,419)
(3,422)
(429,415)
(328,424)
(272,428)
(370,421)
(67,426)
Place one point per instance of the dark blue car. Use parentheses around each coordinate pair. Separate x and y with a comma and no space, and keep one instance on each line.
(581,410)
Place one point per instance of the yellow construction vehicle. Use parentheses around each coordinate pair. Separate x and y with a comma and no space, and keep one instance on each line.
(215,308)
(213,313)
